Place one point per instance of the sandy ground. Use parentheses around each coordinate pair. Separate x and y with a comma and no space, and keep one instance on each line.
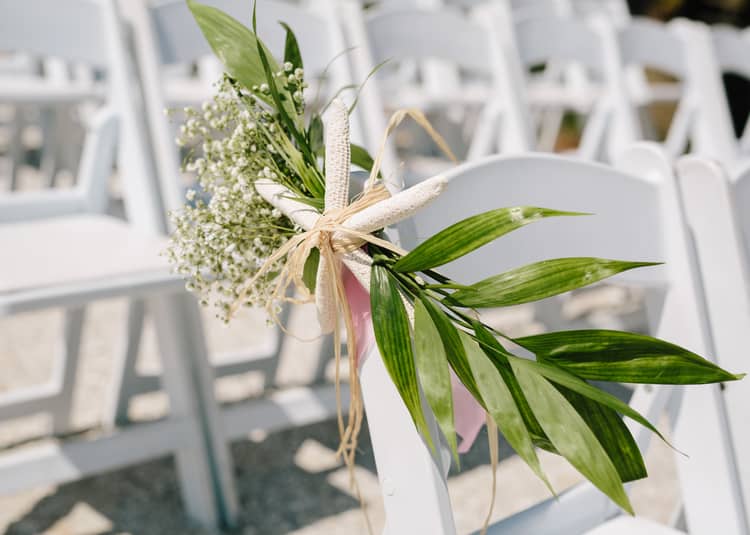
(288,482)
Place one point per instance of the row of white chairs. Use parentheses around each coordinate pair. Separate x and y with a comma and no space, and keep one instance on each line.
(97,265)
(499,51)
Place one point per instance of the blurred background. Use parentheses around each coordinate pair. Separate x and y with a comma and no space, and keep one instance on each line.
(91,348)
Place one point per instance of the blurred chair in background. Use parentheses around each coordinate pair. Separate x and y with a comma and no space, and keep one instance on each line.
(683,50)
(485,83)
(47,98)
(60,250)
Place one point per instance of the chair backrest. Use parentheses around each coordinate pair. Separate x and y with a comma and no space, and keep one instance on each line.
(413,33)
(474,43)
(683,50)
(90,31)
(717,213)
(645,186)
(575,73)
(48,28)
(167,35)
(731,47)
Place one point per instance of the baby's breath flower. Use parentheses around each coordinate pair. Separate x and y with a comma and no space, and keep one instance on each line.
(227,231)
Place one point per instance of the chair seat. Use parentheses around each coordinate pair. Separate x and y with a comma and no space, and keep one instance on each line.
(627,525)
(77,251)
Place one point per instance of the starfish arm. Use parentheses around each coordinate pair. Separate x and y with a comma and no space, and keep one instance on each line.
(337,156)
(360,264)
(281,198)
(400,206)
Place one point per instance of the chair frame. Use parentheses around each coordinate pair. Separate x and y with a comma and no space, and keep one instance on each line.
(188,430)
(679,316)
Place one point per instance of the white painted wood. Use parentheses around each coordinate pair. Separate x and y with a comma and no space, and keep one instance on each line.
(573,511)
(79,293)
(71,460)
(712,211)
(686,50)
(415,493)
(24,401)
(712,134)
(204,464)
(65,370)
(66,40)
(96,257)
(125,366)
(23,206)
(290,407)
(479,43)
(103,247)
(701,428)
(627,526)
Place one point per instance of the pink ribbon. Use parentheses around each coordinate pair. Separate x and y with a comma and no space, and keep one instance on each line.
(467,413)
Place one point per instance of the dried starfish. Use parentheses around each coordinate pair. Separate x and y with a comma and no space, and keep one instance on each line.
(384,213)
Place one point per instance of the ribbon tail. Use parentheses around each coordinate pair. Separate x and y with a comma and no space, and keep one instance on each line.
(468,415)
(359,306)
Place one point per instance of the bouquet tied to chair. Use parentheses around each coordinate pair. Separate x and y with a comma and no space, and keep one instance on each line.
(274,223)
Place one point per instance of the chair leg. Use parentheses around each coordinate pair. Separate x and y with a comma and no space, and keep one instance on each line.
(15,147)
(325,353)
(204,464)
(271,372)
(65,370)
(48,166)
(126,376)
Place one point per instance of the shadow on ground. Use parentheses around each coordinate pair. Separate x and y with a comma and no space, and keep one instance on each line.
(276,495)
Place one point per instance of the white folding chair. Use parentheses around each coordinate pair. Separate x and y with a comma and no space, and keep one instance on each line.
(716,211)
(731,46)
(563,87)
(683,50)
(558,43)
(471,44)
(60,250)
(48,93)
(416,495)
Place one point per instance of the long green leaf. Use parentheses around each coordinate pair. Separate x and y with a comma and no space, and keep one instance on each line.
(291,47)
(310,270)
(434,373)
(315,135)
(498,355)
(469,234)
(612,433)
(623,357)
(234,44)
(578,385)
(284,105)
(571,436)
(539,280)
(501,405)
(391,326)
(454,348)
(361,158)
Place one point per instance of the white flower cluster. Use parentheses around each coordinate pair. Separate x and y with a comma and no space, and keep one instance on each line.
(226,231)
